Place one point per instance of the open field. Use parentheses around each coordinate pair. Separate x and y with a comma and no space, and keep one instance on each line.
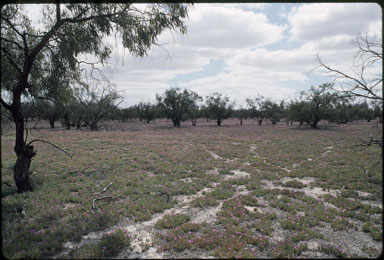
(220,192)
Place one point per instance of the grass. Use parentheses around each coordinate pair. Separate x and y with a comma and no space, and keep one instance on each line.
(153,165)
(110,245)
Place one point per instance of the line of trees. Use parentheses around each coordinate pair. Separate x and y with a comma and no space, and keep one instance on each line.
(89,107)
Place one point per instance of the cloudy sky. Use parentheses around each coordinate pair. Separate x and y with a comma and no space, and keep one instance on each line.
(242,50)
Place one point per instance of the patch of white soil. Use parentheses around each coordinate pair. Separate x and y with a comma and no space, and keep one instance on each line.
(236,175)
(305,180)
(313,192)
(215,156)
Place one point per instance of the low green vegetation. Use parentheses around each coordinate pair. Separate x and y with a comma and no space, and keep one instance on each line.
(245,201)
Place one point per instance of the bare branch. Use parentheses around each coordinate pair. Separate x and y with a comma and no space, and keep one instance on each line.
(38,140)
(9,107)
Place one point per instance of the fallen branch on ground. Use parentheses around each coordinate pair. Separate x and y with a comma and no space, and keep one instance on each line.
(104,190)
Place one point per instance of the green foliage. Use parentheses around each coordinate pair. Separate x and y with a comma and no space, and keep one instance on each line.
(314,106)
(176,104)
(257,108)
(147,111)
(218,107)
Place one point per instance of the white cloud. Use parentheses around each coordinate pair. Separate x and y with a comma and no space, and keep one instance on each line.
(239,35)
(227,27)
(315,21)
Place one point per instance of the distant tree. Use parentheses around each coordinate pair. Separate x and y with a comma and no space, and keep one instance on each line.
(377,106)
(194,113)
(343,111)
(257,108)
(241,114)
(205,112)
(219,107)
(297,111)
(176,104)
(128,113)
(315,105)
(273,111)
(97,100)
(364,112)
(147,111)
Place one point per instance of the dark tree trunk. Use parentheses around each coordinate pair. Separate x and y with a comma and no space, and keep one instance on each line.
(241,121)
(51,122)
(260,121)
(219,122)
(94,126)
(67,122)
(176,122)
(23,152)
(21,170)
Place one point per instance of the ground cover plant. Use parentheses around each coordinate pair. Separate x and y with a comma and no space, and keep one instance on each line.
(236,191)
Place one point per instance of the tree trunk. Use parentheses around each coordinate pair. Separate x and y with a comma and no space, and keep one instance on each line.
(219,122)
(21,170)
(51,122)
(67,122)
(260,121)
(241,122)
(176,122)
(94,126)
(23,152)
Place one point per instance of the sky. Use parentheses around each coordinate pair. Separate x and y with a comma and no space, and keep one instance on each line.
(242,50)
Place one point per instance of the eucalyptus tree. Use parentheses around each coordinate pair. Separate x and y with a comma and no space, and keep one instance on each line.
(147,111)
(257,108)
(343,110)
(273,111)
(241,114)
(70,30)
(194,113)
(176,103)
(314,106)
(219,107)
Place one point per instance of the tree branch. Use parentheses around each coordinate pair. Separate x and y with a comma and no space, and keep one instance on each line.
(38,140)
(5,104)
(11,61)
(104,190)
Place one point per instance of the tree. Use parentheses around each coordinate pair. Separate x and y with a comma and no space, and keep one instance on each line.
(176,104)
(365,79)
(315,105)
(364,112)
(257,108)
(241,114)
(297,111)
(97,101)
(273,111)
(128,113)
(362,81)
(219,107)
(194,113)
(70,30)
(147,111)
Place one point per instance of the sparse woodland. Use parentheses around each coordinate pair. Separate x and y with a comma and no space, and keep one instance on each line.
(186,176)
